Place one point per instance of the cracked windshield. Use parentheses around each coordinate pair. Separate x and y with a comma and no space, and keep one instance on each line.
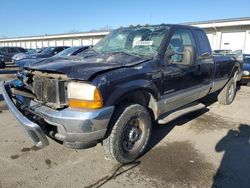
(140,41)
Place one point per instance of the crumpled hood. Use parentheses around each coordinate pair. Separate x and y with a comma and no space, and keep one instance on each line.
(83,67)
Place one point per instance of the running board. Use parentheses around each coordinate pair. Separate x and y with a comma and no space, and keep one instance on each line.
(184,110)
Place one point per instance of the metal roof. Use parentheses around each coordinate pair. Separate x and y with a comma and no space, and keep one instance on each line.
(218,21)
(62,35)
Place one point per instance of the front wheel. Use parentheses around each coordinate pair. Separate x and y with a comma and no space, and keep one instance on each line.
(130,133)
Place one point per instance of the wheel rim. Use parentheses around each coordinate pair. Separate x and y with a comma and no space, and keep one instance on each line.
(133,135)
(231,92)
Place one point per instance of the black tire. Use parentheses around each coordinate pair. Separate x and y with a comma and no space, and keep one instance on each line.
(227,94)
(125,133)
(248,84)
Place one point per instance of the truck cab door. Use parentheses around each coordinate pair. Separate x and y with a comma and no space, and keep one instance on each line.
(181,74)
(205,61)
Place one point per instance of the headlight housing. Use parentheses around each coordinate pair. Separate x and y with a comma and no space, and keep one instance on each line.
(246,73)
(83,95)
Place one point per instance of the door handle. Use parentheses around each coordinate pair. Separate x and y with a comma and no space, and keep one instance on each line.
(199,67)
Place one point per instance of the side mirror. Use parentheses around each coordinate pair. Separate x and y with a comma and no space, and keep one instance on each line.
(188,55)
(204,55)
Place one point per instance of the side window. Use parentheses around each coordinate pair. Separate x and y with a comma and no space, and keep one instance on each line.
(22,50)
(203,42)
(2,50)
(179,39)
(57,50)
(12,50)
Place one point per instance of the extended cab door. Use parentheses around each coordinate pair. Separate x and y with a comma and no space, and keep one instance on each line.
(182,78)
(205,61)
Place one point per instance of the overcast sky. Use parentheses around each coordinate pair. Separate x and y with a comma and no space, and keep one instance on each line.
(38,17)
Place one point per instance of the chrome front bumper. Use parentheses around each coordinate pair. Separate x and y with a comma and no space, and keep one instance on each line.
(73,126)
(32,130)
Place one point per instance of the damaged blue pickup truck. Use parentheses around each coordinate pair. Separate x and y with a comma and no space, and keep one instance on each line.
(115,91)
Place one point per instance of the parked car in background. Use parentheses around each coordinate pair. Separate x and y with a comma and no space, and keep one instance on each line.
(20,56)
(31,51)
(111,95)
(38,50)
(67,52)
(222,52)
(72,51)
(48,52)
(45,53)
(2,63)
(8,52)
(245,79)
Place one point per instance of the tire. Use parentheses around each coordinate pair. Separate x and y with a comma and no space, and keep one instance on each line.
(227,94)
(131,128)
(236,76)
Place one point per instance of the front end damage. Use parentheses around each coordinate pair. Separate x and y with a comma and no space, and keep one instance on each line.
(39,102)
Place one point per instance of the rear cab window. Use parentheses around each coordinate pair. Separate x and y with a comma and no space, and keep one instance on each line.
(203,42)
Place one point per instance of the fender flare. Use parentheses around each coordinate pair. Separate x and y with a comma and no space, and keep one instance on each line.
(132,86)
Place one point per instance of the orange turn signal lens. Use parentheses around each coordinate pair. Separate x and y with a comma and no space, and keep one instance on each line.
(96,103)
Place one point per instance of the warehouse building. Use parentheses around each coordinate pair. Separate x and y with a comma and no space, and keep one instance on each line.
(71,39)
(232,34)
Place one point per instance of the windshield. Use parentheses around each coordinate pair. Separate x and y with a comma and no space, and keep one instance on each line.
(142,41)
(67,52)
(48,50)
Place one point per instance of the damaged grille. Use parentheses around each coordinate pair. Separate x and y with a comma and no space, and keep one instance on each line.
(51,91)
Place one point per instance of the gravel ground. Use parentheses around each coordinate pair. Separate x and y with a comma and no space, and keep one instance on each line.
(207,148)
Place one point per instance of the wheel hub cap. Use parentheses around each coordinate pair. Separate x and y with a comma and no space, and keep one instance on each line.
(132,134)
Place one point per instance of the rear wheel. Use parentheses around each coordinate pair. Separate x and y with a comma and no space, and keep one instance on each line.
(129,135)
(227,94)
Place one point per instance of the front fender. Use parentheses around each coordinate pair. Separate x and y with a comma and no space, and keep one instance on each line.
(128,87)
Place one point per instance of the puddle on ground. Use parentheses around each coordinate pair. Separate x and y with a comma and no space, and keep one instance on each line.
(24,151)
(33,148)
(48,162)
(3,106)
(176,164)
(210,122)
(14,156)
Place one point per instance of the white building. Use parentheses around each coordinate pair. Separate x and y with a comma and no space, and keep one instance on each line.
(71,39)
(233,34)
